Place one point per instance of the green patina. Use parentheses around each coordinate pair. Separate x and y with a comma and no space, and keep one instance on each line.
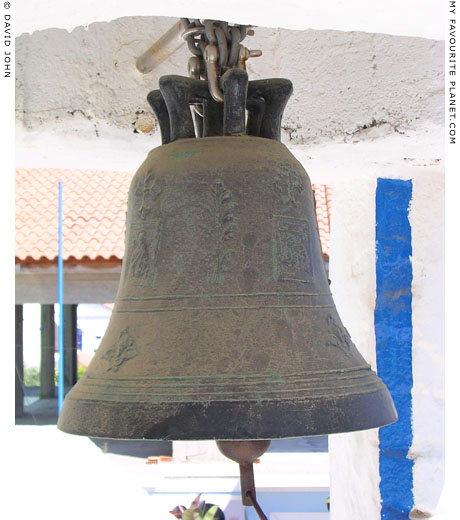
(275,378)
(259,398)
(181,155)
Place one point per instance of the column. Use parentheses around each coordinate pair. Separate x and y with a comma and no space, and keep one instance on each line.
(47,352)
(19,362)
(70,345)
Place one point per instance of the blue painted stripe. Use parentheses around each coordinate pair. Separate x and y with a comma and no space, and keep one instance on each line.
(393,332)
(61,307)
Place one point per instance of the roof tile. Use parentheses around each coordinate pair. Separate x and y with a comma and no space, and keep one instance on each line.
(323,198)
(91,204)
(94,211)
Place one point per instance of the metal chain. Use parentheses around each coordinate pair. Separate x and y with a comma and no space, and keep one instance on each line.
(216,48)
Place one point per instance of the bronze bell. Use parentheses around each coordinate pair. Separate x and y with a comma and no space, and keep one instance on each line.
(224,326)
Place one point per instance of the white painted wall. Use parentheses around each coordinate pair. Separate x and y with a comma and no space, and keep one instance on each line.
(352,170)
(343,81)
(428,244)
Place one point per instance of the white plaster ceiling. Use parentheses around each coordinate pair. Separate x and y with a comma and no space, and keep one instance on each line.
(423,18)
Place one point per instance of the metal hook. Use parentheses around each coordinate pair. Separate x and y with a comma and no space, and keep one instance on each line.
(210,57)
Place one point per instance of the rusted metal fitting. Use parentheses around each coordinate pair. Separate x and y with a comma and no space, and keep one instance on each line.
(245,54)
(211,57)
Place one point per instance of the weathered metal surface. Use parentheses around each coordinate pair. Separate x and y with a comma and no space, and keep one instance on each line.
(264,101)
(157,102)
(235,85)
(224,326)
(275,93)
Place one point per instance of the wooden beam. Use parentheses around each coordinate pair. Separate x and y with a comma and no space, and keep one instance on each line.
(81,285)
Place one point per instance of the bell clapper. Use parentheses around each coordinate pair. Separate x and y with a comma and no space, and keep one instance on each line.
(245,453)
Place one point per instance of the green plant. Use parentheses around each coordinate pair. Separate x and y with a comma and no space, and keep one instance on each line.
(198,514)
(199,510)
(80,371)
(31,376)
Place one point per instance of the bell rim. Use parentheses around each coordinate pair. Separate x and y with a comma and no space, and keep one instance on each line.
(228,420)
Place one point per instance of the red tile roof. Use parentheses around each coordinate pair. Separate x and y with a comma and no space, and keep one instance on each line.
(323,198)
(94,208)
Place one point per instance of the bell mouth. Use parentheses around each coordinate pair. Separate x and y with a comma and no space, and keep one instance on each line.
(227,420)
